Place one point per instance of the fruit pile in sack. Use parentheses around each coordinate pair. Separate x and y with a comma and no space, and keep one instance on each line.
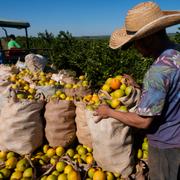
(21,128)
(60,129)
(36,63)
(40,81)
(112,140)
(73,86)
(5,72)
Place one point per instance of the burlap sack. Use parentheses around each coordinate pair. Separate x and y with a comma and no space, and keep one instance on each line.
(21,128)
(82,91)
(70,91)
(82,132)
(112,140)
(4,89)
(20,65)
(4,86)
(35,62)
(132,100)
(60,129)
(112,144)
(6,71)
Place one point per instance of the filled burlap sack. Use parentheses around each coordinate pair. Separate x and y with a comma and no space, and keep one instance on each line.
(60,129)
(21,129)
(35,62)
(82,132)
(112,144)
(112,140)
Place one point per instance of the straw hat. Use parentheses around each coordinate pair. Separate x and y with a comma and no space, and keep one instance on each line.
(142,20)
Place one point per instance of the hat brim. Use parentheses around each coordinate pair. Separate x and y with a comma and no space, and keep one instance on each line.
(120,37)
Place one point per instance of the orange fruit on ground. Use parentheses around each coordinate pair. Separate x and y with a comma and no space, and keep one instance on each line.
(50,152)
(68,169)
(91,172)
(82,150)
(74,175)
(60,150)
(11,163)
(99,175)
(110,176)
(60,166)
(62,176)
(115,83)
(70,152)
(89,159)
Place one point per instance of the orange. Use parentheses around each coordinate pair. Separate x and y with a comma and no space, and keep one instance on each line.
(73,175)
(108,81)
(99,175)
(114,103)
(106,87)
(91,172)
(115,83)
(68,169)
(139,154)
(89,159)
(60,166)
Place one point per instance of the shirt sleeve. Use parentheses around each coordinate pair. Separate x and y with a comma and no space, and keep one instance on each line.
(16,44)
(155,85)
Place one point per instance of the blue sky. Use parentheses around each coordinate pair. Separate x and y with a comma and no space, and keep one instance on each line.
(79,17)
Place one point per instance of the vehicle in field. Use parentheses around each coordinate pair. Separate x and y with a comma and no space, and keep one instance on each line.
(10,56)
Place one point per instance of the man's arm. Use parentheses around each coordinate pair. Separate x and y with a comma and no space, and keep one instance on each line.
(16,45)
(128,118)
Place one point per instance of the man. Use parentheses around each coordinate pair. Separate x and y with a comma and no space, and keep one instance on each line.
(159,107)
(12,43)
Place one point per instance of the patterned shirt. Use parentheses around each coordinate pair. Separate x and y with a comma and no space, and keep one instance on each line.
(161,100)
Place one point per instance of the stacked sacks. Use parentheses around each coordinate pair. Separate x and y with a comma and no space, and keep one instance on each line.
(110,137)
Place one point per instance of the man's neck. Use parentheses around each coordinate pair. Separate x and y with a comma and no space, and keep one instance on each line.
(159,48)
